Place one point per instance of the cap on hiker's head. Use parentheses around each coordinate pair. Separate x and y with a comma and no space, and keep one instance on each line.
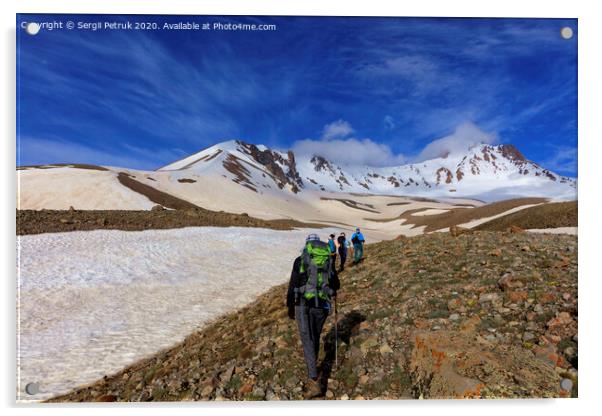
(357,229)
(312,237)
(331,235)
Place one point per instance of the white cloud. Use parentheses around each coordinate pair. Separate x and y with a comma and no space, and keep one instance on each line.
(336,130)
(350,151)
(465,135)
(336,146)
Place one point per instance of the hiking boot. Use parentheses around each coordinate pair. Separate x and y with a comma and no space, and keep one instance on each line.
(312,389)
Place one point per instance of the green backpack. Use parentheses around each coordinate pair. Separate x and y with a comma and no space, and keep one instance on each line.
(316,260)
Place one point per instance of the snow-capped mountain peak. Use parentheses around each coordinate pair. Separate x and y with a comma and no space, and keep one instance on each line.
(483,170)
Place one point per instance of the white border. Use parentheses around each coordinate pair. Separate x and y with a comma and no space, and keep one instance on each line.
(590,181)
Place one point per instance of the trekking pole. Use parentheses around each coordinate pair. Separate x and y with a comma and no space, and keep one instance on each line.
(336,335)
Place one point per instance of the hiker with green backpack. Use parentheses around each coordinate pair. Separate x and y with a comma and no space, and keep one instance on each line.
(313,284)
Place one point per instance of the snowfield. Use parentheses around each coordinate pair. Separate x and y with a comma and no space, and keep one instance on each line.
(92,302)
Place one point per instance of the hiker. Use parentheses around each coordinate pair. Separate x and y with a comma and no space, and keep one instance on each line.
(358,241)
(343,245)
(333,245)
(314,282)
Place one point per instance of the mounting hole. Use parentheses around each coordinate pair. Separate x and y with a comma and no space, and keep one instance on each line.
(32,388)
(32,28)
(566,384)
(566,32)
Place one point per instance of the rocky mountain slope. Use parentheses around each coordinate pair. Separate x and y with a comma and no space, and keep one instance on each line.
(483,169)
(481,314)
(235,173)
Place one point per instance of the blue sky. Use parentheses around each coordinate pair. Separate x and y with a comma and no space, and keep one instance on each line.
(379,91)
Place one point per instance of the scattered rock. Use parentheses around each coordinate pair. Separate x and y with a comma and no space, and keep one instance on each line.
(518,296)
(495,252)
(507,282)
(497,336)
(528,336)
(368,343)
(247,388)
(488,297)
(515,229)
(563,325)
(207,390)
(456,231)
(385,349)
(107,398)
(455,303)
(449,364)
(548,297)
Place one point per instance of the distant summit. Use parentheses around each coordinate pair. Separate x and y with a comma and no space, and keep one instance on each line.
(483,170)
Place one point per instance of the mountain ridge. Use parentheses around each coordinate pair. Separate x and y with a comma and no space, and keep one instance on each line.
(482,168)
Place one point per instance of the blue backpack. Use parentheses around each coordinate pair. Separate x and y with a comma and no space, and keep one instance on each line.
(333,247)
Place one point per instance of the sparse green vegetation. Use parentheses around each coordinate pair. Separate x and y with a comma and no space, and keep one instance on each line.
(255,354)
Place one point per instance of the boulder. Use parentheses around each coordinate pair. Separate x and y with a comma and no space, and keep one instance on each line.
(508,281)
(456,231)
(515,229)
(496,252)
(449,364)
(562,325)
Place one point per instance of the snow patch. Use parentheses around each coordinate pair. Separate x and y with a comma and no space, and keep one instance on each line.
(92,302)
(559,230)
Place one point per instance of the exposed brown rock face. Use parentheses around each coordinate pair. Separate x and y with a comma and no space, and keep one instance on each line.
(321,164)
(509,151)
(459,365)
(235,166)
(459,174)
(444,172)
(393,181)
(273,161)
(153,194)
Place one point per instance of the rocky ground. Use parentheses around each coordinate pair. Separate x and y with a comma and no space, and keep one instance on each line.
(468,315)
(552,215)
(54,221)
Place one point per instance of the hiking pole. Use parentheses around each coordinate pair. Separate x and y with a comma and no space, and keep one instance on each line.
(336,335)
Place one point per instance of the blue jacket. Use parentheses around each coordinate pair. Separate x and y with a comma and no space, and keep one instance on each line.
(359,235)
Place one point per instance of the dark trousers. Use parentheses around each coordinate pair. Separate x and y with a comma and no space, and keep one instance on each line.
(343,256)
(358,252)
(310,321)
